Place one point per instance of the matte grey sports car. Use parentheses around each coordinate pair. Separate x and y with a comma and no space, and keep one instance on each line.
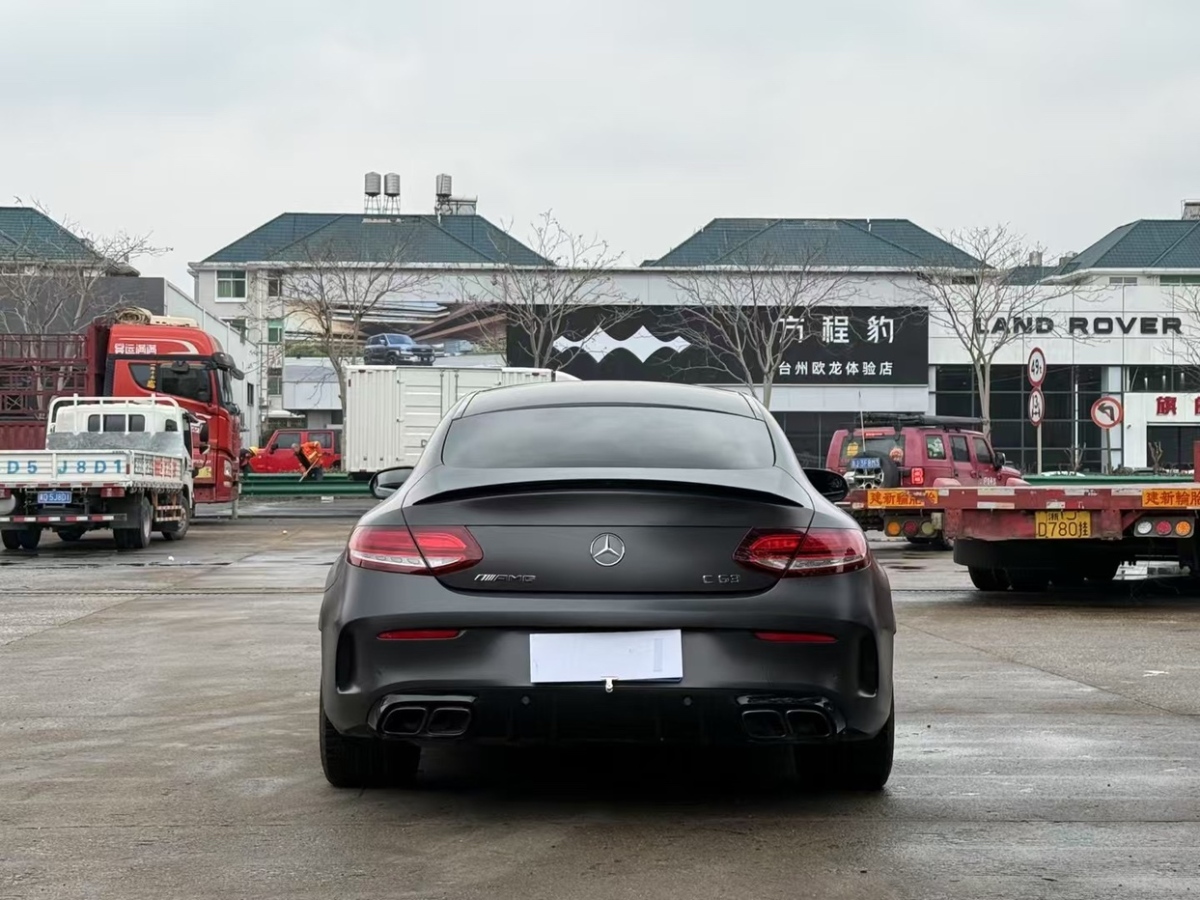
(607,561)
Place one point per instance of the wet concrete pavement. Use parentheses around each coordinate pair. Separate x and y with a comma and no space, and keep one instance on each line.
(158,739)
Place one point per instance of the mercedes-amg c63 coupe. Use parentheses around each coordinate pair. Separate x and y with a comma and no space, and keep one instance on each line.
(612,562)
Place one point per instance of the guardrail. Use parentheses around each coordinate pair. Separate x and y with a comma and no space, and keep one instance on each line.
(334,484)
(1104,480)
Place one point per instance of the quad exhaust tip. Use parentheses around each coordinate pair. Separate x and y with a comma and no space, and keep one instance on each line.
(763,723)
(401,721)
(449,721)
(411,721)
(807,723)
(771,724)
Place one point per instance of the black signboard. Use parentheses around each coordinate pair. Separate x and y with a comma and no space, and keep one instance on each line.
(843,345)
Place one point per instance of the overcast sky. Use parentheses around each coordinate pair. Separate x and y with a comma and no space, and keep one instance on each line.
(640,121)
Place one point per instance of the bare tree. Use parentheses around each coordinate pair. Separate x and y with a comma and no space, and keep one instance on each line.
(537,299)
(58,279)
(330,299)
(748,316)
(988,304)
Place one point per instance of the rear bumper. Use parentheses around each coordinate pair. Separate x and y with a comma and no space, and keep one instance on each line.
(847,685)
(631,713)
(726,669)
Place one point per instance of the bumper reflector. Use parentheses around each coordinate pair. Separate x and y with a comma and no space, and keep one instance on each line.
(795,637)
(420,634)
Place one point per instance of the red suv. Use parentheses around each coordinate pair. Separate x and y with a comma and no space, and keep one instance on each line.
(885,451)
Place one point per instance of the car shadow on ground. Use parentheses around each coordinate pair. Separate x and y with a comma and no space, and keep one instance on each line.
(638,779)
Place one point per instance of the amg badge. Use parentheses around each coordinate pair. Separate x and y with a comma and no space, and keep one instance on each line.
(522,578)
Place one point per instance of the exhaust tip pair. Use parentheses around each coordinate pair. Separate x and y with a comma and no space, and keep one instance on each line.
(414,721)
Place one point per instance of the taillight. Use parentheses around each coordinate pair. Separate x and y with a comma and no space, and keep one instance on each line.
(420,550)
(917,476)
(819,551)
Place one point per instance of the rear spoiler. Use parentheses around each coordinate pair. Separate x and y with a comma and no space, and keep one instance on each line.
(444,484)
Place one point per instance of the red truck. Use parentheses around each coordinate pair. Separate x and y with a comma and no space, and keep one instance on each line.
(132,355)
(276,455)
(1027,537)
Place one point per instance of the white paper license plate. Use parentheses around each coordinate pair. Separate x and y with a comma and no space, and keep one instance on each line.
(621,656)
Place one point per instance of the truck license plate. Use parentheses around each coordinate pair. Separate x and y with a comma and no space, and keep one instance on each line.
(1060,524)
(54,498)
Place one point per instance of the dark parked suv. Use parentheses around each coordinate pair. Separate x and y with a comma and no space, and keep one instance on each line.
(397,350)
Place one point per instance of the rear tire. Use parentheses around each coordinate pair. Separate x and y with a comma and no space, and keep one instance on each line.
(137,538)
(12,540)
(29,540)
(988,579)
(852,765)
(177,531)
(353,762)
(889,472)
(1029,581)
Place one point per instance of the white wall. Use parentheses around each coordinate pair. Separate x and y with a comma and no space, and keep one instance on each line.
(1141,410)
(1127,307)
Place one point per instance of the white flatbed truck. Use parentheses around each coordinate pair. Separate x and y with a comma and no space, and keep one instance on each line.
(109,463)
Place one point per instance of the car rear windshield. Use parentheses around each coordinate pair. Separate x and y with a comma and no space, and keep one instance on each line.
(856,444)
(608,436)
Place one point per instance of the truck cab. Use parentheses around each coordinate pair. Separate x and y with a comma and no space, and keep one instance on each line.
(181,361)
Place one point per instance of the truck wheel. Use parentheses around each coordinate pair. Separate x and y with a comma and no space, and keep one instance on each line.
(12,540)
(177,531)
(988,579)
(1029,581)
(29,540)
(71,535)
(137,538)
(889,472)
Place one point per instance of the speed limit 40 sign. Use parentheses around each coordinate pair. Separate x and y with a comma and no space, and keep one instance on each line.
(1036,368)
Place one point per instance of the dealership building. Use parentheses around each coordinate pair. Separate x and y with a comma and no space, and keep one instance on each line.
(1119,320)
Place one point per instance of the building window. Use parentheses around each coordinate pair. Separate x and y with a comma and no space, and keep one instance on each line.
(250,394)
(1069,437)
(336,417)
(274,284)
(274,382)
(1178,279)
(1160,379)
(231,285)
(1122,280)
(238,325)
(275,331)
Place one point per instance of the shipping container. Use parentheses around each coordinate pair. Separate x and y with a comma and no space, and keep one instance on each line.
(392,411)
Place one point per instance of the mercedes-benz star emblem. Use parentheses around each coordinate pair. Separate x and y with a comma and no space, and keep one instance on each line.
(608,550)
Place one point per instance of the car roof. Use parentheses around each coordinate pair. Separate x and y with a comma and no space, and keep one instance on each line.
(610,393)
